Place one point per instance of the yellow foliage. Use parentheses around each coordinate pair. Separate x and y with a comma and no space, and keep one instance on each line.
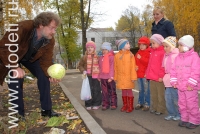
(147,20)
(185,15)
(14,11)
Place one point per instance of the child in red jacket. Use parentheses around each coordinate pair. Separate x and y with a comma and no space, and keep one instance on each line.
(155,73)
(142,59)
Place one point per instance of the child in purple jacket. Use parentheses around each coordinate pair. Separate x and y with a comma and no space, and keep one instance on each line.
(106,66)
(185,76)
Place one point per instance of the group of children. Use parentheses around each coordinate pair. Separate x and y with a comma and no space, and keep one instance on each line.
(167,77)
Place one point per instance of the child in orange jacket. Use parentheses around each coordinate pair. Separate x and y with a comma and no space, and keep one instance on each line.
(125,74)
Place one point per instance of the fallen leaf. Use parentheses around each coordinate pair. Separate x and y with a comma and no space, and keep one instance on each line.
(61,98)
(56,121)
(37,110)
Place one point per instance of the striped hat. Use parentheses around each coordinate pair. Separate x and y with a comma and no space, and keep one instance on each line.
(121,43)
(171,41)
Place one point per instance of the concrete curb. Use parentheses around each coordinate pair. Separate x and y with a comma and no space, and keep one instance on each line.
(92,125)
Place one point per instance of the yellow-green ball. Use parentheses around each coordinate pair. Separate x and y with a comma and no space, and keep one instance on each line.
(56,71)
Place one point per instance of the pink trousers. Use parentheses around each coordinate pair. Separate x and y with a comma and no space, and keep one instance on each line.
(188,106)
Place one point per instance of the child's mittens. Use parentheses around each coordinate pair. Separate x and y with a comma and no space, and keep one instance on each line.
(84,74)
(173,83)
(109,80)
(190,86)
(136,68)
(138,56)
(160,80)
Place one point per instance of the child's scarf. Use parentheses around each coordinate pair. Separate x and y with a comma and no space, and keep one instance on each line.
(92,65)
(106,63)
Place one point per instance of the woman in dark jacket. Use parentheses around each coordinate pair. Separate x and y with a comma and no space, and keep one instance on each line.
(161,25)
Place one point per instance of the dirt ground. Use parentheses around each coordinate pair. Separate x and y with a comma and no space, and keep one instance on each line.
(68,123)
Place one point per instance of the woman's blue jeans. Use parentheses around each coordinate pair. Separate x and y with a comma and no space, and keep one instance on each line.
(144,91)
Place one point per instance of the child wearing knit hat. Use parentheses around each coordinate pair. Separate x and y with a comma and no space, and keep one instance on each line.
(155,72)
(171,93)
(125,74)
(89,66)
(185,76)
(106,75)
(142,59)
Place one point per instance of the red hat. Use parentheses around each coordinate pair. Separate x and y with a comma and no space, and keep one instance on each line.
(144,40)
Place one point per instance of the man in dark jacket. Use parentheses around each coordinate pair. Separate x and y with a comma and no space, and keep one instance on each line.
(29,43)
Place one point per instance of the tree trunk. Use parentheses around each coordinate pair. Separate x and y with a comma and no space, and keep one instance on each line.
(140,29)
(1,20)
(84,23)
(83,26)
(70,66)
(62,30)
(132,38)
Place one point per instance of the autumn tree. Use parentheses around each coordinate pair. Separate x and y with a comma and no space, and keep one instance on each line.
(89,13)
(29,8)
(1,19)
(110,29)
(130,22)
(185,15)
(84,21)
(21,10)
(122,24)
(67,32)
(147,20)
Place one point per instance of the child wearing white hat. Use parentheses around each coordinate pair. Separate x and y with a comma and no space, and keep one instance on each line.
(185,76)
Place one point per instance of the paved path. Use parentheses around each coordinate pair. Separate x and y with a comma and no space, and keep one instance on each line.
(114,121)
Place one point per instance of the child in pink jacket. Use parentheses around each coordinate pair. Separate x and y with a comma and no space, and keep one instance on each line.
(171,93)
(185,75)
(155,72)
(106,75)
